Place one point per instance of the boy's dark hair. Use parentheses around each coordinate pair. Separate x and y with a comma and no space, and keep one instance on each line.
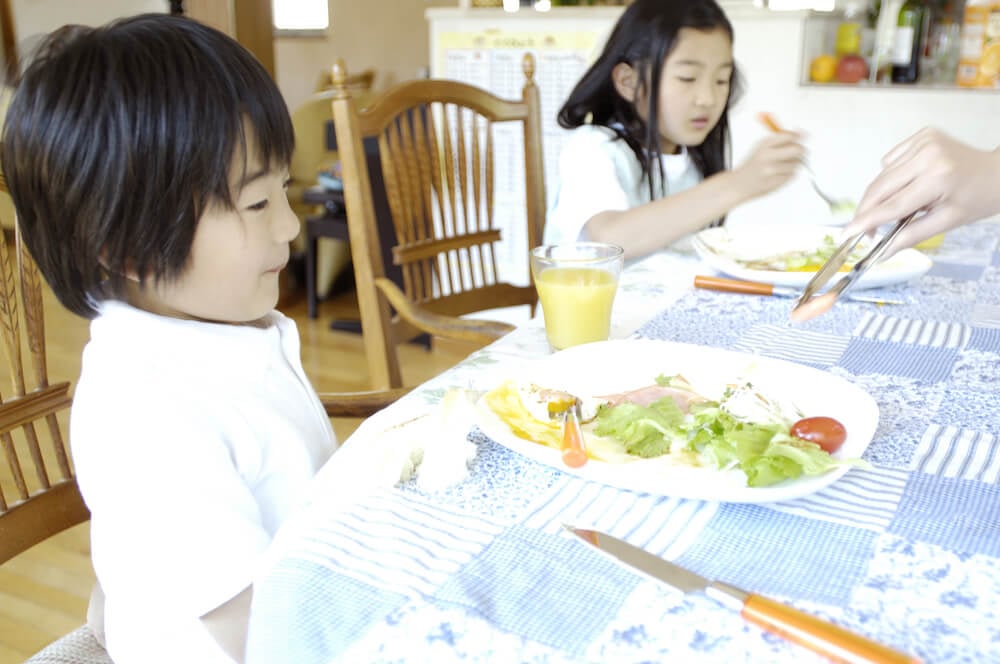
(644,36)
(119,137)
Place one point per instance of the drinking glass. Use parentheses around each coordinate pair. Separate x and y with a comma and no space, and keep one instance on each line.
(576,285)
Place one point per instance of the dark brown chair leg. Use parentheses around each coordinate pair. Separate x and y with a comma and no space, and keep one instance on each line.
(311,297)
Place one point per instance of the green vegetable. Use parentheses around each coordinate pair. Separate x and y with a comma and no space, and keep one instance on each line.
(762,450)
(645,431)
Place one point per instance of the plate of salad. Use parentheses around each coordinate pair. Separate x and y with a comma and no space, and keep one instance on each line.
(790,254)
(684,420)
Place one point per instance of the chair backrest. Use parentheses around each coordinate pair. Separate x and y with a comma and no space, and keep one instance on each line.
(358,83)
(437,147)
(380,199)
(39,496)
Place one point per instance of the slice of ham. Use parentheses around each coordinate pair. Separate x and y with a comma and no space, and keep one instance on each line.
(644,396)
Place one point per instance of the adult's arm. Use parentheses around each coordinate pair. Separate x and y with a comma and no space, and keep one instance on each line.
(950,182)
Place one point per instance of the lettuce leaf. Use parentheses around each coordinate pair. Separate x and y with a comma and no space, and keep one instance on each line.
(645,431)
(764,451)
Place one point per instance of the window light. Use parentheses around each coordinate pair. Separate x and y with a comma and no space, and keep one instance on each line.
(301,14)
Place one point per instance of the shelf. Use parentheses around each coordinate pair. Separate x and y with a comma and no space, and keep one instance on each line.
(818,36)
(897,87)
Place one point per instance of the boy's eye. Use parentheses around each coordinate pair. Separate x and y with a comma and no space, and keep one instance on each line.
(723,81)
(287,183)
(258,206)
(685,79)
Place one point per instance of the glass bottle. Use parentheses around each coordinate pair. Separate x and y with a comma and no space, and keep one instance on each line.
(907,44)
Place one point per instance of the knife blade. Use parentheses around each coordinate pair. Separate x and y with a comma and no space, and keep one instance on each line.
(761,288)
(820,636)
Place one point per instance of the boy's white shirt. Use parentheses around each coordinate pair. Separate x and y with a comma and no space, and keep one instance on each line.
(192,442)
(599,172)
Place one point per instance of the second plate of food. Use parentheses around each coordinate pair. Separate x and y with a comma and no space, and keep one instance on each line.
(789,255)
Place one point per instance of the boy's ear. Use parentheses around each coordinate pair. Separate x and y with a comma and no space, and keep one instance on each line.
(130,272)
(626,81)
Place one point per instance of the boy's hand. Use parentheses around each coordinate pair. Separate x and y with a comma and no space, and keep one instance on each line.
(950,181)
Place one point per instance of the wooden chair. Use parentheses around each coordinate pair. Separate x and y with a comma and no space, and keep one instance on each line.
(39,496)
(44,499)
(436,146)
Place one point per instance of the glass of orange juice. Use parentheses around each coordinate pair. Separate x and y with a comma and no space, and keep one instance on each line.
(576,285)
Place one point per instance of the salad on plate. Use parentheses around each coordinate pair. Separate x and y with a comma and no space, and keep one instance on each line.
(790,254)
(743,431)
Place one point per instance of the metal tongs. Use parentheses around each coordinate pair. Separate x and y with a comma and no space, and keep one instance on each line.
(832,266)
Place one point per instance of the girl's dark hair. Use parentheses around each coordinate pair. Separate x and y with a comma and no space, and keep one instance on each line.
(118,138)
(644,36)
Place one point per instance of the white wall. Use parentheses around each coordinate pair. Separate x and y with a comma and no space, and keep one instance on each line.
(33,18)
(389,36)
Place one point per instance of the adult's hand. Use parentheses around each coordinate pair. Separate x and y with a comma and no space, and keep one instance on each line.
(950,182)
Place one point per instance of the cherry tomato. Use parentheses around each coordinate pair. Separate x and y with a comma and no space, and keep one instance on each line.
(826,432)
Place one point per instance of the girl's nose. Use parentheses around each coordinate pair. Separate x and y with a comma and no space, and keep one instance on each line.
(706,93)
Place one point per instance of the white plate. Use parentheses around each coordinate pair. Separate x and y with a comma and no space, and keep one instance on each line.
(610,366)
(724,248)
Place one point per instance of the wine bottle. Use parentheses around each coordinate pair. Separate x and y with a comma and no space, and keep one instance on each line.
(908,42)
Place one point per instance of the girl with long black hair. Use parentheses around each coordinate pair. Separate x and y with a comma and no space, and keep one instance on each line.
(647,162)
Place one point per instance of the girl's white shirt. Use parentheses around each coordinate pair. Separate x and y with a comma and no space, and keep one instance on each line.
(193,442)
(599,172)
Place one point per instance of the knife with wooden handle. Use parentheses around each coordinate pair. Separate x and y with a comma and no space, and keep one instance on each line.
(760,288)
(820,636)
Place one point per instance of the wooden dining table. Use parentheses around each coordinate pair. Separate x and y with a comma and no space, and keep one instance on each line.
(904,550)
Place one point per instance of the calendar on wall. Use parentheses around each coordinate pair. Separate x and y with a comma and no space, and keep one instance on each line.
(491,58)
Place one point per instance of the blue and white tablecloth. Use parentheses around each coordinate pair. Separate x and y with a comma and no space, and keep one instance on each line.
(907,552)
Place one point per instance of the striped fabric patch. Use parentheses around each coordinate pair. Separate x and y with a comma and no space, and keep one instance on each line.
(861,498)
(956,271)
(954,452)
(925,363)
(953,513)
(986,315)
(782,554)
(936,334)
(573,589)
(814,348)
(661,525)
(987,339)
(299,615)
(398,543)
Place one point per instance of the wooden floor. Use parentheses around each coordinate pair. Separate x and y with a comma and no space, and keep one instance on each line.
(43,592)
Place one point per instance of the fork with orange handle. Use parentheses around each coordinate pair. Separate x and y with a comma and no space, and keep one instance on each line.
(836,206)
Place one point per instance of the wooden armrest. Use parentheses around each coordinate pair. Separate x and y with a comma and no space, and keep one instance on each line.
(480,332)
(359,404)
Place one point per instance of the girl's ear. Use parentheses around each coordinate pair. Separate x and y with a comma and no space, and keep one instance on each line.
(626,81)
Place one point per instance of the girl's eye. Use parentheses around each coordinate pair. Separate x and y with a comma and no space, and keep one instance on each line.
(286,184)
(685,79)
(725,82)
(258,206)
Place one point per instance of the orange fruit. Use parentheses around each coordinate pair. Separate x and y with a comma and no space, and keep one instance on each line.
(989,61)
(823,68)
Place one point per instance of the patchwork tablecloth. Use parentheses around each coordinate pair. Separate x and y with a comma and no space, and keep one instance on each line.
(906,552)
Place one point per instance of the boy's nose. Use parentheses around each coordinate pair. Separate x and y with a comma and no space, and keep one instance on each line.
(287,225)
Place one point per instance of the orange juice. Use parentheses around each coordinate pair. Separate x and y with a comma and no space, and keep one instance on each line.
(576,304)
